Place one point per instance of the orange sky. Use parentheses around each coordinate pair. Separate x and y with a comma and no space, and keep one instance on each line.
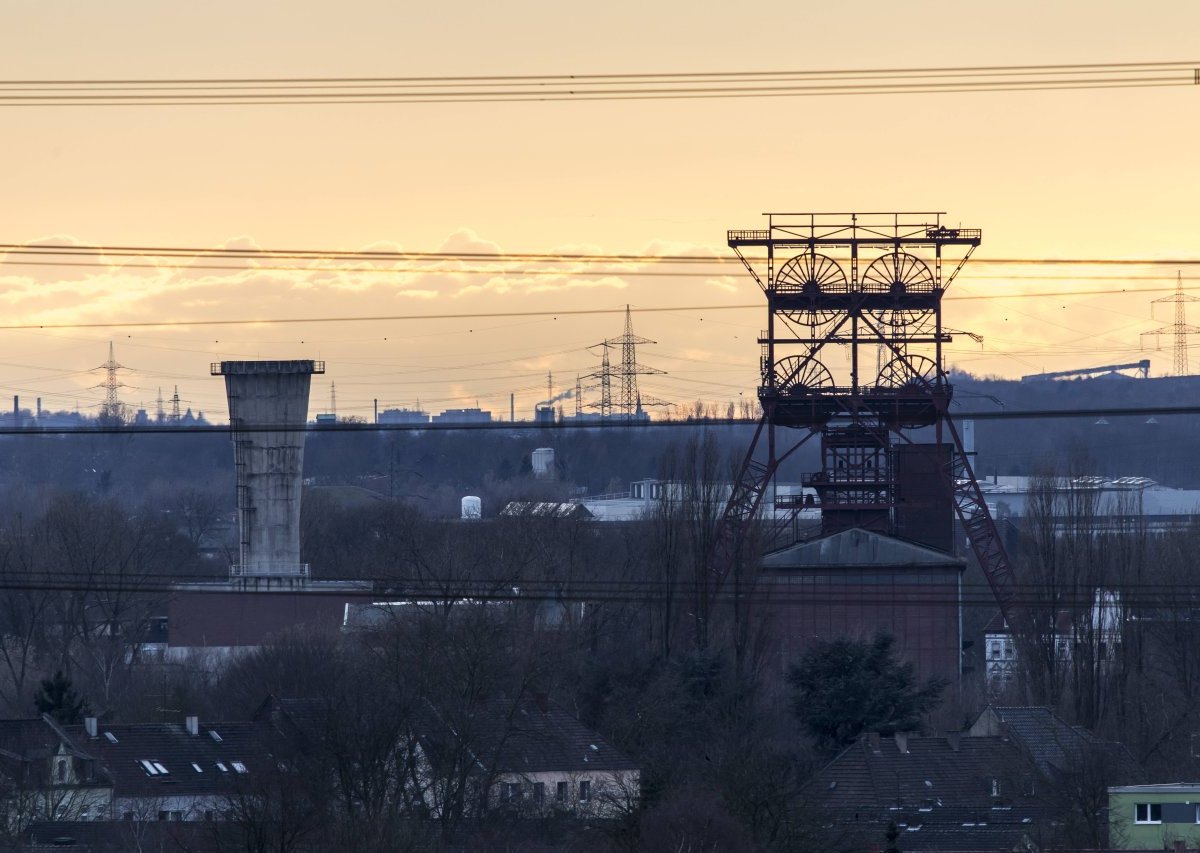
(1077,174)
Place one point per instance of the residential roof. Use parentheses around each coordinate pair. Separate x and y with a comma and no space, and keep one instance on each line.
(1162,788)
(944,793)
(539,737)
(1054,745)
(856,548)
(164,759)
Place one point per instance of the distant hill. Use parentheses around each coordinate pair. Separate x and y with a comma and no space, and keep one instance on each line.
(1164,449)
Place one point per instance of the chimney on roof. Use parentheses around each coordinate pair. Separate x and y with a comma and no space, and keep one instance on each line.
(902,741)
(89,725)
(954,739)
(193,726)
(873,741)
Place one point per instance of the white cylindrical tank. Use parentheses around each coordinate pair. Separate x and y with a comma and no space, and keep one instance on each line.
(472,507)
(542,462)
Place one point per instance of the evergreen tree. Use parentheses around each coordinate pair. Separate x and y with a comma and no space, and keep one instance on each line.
(59,699)
(844,688)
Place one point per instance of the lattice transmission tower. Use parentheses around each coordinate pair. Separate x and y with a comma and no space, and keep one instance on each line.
(1180,328)
(112,411)
(840,289)
(630,402)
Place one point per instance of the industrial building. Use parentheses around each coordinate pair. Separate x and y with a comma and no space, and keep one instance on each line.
(269,590)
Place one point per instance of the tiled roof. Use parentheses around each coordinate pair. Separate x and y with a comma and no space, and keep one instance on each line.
(540,737)
(130,752)
(1053,744)
(973,797)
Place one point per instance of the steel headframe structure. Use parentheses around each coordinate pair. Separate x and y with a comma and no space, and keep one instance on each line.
(840,287)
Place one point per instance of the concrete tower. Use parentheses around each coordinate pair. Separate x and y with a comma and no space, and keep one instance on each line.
(268,408)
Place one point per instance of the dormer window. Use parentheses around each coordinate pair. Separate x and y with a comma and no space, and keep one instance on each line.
(61,770)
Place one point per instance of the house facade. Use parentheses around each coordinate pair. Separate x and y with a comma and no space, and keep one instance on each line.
(1154,817)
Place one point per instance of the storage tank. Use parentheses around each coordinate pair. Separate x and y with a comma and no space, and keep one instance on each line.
(543,463)
(472,507)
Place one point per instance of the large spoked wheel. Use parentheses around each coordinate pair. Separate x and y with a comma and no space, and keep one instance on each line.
(797,375)
(899,275)
(811,276)
(915,373)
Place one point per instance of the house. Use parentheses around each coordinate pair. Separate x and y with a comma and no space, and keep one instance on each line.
(547,762)
(943,793)
(530,758)
(174,772)
(1154,817)
(1057,748)
(45,774)
(1017,779)
(1093,636)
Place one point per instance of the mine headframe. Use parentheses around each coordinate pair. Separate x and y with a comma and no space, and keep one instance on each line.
(852,354)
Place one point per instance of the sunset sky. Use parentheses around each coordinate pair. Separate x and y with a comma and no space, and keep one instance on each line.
(1075,174)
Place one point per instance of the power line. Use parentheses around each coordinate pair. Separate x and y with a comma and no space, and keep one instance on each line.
(588,87)
(498,257)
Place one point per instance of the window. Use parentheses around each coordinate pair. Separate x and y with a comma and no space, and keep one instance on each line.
(222,767)
(127,816)
(560,793)
(208,814)
(585,791)
(1147,813)
(238,766)
(539,792)
(162,815)
(512,791)
(995,787)
(62,771)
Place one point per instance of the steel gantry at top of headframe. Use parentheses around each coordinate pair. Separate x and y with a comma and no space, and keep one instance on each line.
(852,352)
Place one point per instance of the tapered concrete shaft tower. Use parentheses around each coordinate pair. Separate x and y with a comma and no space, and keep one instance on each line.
(268,407)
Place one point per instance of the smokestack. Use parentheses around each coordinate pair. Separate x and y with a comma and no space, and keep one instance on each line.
(376,410)
(512,408)
(39,407)
(16,410)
